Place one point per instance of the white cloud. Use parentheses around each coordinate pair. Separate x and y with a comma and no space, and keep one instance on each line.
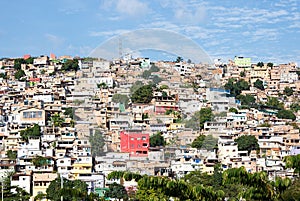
(108,34)
(55,40)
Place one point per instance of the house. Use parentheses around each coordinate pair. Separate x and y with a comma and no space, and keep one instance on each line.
(135,142)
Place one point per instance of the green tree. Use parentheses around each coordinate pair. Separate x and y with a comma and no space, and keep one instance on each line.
(117,191)
(288,91)
(270,64)
(18,62)
(179,59)
(156,79)
(138,84)
(274,102)
(293,192)
(154,68)
(120,98)
(205,142)
(157,140)
(146,74)
(199,118)
(242,74)
(247,100)
(72,190)
(143,95)
(102,85)
(259,84)
(236,87)
(19,74)
(247,143)
(260,64)
(69,112)
(295,107)
(97,143)
(11,154)
(233,110)
(70,65)
(293,161)
(286,114)
(40,161)
(3,75)
(34,131)
(57,120)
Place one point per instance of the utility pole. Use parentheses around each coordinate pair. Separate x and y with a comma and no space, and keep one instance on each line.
(61,186)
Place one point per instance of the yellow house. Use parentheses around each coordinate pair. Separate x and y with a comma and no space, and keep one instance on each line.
(41,181)
(83,165)
(175,126)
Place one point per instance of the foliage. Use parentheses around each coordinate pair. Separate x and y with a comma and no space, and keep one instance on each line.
(247,143)
(288,91)
(199,118)
(205,142)
(292,193)
(128,176)
(157,140)
(19,74)
(270,64)
(72,190)
(274,102)
(69,112)
(57,120)
(39,161)
(246,100)
(162,87)
(286,114)
(120,98)
(97,143)
(70,65)
(293,161)
(102,85)
(259,84)
(258,186)
(3,75)
(242,74)
(34,131)
(179,59)
(11,193)
(11,154)
(236,87)
(233,110)
(116,191)
(295,107)
(156,79)
(143,95)
(138,84)
(260,64)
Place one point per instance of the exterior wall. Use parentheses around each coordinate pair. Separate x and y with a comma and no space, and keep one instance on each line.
(135,143)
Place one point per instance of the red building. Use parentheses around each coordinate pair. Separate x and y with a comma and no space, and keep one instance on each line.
(134,142)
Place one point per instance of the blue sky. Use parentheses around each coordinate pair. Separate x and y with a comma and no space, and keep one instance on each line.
(265,30)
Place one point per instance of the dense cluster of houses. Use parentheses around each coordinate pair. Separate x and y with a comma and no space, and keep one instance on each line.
(46,95)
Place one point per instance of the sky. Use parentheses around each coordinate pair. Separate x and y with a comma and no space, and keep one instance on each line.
(265,30)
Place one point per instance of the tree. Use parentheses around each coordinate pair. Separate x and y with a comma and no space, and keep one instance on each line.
(260,64)
(157,140)
(258,185)
(154,68)
(293,161)
(138,84)
(19,74)
(146,74)
(116,191)
(143,95)
(11,154)
(274,102)
(242,74)
(57,120)
(120,98)
(97,143)
(205,142)
(179,59)
(40,161)
(69,112)
(70,65)
(288,91)
(293,192)
(295,107)
(199,118)
(247,143)
(156,79)
(236,87)
(270,64)
(286,114)
(233,110)
(72,190)
(34,131)
(247,100)
(259,84)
